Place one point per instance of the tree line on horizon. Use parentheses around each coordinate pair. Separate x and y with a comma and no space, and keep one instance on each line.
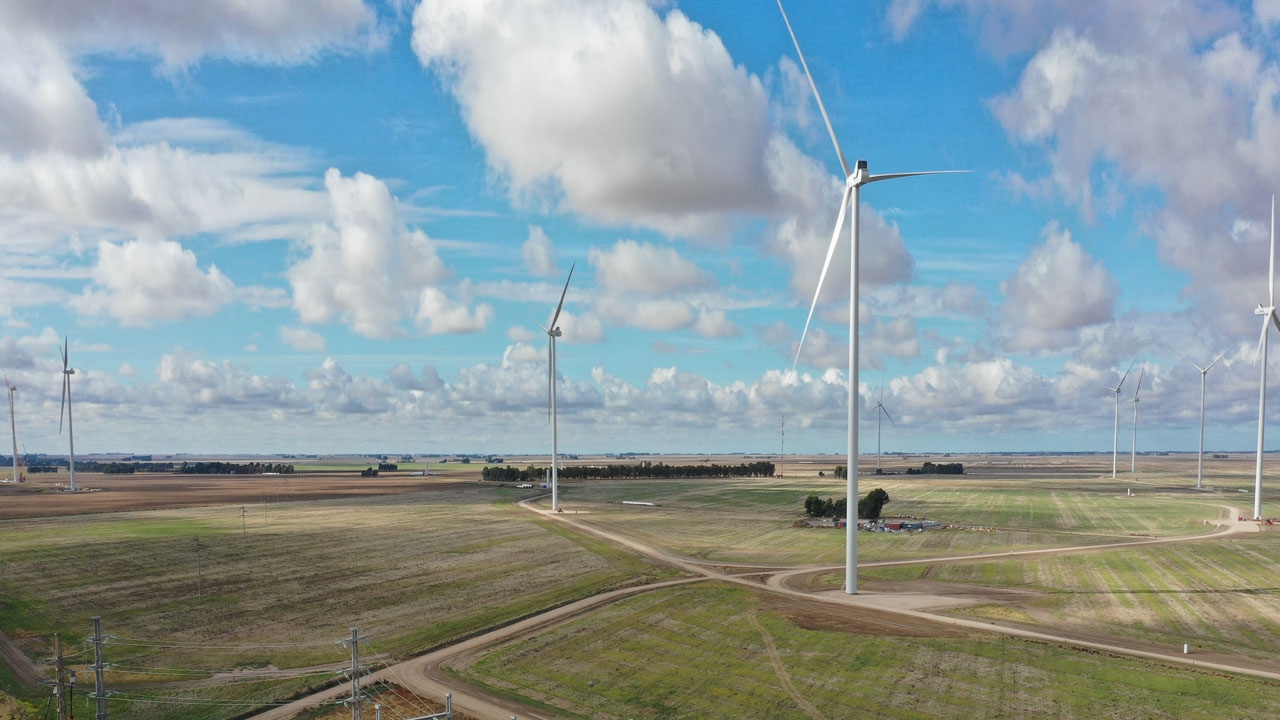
(209,467)
(644,469)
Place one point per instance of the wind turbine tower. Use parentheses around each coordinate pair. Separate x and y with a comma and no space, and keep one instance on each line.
(1133,450)
(14,426)
(1115,437)
(1204,371)
(855,178)
(1269,318)
(553,332)
(880,410)
(67,372)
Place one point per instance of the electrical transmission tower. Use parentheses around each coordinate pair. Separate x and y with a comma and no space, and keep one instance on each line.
(59,685)
(356,701)
(99,667)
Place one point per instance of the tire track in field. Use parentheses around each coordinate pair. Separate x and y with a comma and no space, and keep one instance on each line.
(775,659)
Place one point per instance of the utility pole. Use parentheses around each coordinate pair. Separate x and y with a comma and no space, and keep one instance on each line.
(59,689)
(244,527)
(357,696)
(99,667)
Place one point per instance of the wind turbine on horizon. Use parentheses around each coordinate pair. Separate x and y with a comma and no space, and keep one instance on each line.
(1115,437)
(1133,449)
(553,332)
(880,410)
(67,372)
(13,425)
(1204,371)
(1269,318)
(855,178)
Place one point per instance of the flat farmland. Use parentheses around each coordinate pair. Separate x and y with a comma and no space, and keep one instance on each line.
(200,593)
(42,495)
(696,651)
(226,594)
(1220,596)
(751,520)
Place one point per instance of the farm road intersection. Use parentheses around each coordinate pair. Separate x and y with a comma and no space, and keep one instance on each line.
(898,610)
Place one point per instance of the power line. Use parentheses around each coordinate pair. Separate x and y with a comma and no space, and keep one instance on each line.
(216,646)
(392,672)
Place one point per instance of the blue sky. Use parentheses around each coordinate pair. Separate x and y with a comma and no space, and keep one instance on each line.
(337,226)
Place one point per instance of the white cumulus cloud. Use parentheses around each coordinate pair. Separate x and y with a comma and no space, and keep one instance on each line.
(141,282)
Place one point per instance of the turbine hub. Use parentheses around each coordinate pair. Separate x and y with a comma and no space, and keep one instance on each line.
(555,333)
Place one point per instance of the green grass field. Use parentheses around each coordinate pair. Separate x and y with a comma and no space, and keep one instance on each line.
(705,651)
(412,571)
(1219,596)
(417,570)
(751,520)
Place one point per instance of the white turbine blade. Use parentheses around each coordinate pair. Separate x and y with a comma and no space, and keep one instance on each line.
(1139,388)
(1215,361)
(1257,354)
(64,353)
(1188,360)
(1275,320)
(1271,272)
(821,108)
(886,414)
(1125,376)
(893,176)
(65,381)
(556,317)
(826,265)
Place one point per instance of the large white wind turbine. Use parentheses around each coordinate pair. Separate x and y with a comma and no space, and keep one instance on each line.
(67,372)
(1133,449)
(1204,371)
(13,425)
(855,178)
(1115,437)
(553,332)
(880,410)
(1269,318)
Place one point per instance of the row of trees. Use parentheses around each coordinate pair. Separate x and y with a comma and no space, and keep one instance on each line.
(869,507)
(930,468)
(644,469)
(185,468)
(817,507)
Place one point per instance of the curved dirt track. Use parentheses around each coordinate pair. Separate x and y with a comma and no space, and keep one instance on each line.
(900,610)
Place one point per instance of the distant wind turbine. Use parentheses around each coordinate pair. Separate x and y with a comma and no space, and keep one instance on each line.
(1115,437)
(1268,314)
(855,178)
(67,372)
(880,410)
(1133,450)
(1204,371)
(13,425)
(553,332)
